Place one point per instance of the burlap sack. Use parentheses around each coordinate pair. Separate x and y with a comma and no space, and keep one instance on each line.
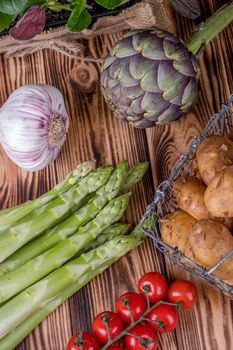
(146,14)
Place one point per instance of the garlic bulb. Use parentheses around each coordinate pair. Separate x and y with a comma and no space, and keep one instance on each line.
(33,126)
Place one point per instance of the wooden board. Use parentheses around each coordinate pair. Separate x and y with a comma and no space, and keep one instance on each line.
(94,133)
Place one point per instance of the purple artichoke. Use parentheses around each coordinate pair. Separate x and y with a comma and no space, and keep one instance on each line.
(150,78)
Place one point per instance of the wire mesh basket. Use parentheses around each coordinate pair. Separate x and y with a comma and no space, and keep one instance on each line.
(165,203)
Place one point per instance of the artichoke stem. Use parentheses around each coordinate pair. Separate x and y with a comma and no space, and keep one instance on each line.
(211,28)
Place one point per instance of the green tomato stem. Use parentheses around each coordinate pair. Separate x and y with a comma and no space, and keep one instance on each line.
(211,28)
(134,323)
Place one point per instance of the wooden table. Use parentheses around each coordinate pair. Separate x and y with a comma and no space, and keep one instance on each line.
(94,133)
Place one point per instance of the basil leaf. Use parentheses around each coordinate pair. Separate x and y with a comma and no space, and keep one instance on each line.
(83,22)
(12,7)
(109,4)
(79,18)
(5,20)
(187,8)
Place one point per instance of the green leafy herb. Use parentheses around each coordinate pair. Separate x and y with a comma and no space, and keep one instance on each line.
(84,21)
(109,4)
(12,7)
(79,18)
(5,20)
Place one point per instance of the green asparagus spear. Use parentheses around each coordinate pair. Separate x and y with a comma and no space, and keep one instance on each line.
(69,226)
(12,339)
(135,174)
(32,271)
(114,230)
(111,232)
(40,219)
(80,171)
(36,297)
(86,213)
(27,254)
(10,216)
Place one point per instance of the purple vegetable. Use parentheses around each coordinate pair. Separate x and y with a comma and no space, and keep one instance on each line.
(150,78)
(31,24)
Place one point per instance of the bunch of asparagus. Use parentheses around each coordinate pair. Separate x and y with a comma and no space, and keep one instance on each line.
(52,246)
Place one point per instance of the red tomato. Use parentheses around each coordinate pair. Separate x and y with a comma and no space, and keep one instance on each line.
(183,291)
(130,304)
(115,348)
(156,286)
(167,314)
(105,321)
(148,339)
(83,341)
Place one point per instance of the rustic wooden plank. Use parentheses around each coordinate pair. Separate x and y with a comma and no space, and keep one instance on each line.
(94,133)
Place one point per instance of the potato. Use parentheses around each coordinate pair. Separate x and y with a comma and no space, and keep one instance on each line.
(218,196)
(213,154)
(189,193)
(175,231)
(210,241)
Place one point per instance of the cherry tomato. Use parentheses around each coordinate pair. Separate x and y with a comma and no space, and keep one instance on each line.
(105,321)
(148,341)
(183,291)
(83,341)
(167,314)
(115,348)
(156,286)
(130,304)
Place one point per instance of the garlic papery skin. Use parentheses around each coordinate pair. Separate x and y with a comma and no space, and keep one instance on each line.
(33,126)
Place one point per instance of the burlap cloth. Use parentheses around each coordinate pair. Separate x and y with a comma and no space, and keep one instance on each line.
(146,14)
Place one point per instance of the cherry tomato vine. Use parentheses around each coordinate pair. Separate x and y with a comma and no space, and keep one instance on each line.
(139,317)
(142,318)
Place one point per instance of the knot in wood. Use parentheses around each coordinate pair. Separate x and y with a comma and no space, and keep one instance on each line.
(85,77)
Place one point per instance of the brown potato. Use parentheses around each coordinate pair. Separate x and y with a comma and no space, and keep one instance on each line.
(218,196)
(213,154)
(189,193)
(175,231)
(210,241)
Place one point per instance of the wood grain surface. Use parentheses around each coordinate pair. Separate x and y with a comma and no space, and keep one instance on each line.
(95,133)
